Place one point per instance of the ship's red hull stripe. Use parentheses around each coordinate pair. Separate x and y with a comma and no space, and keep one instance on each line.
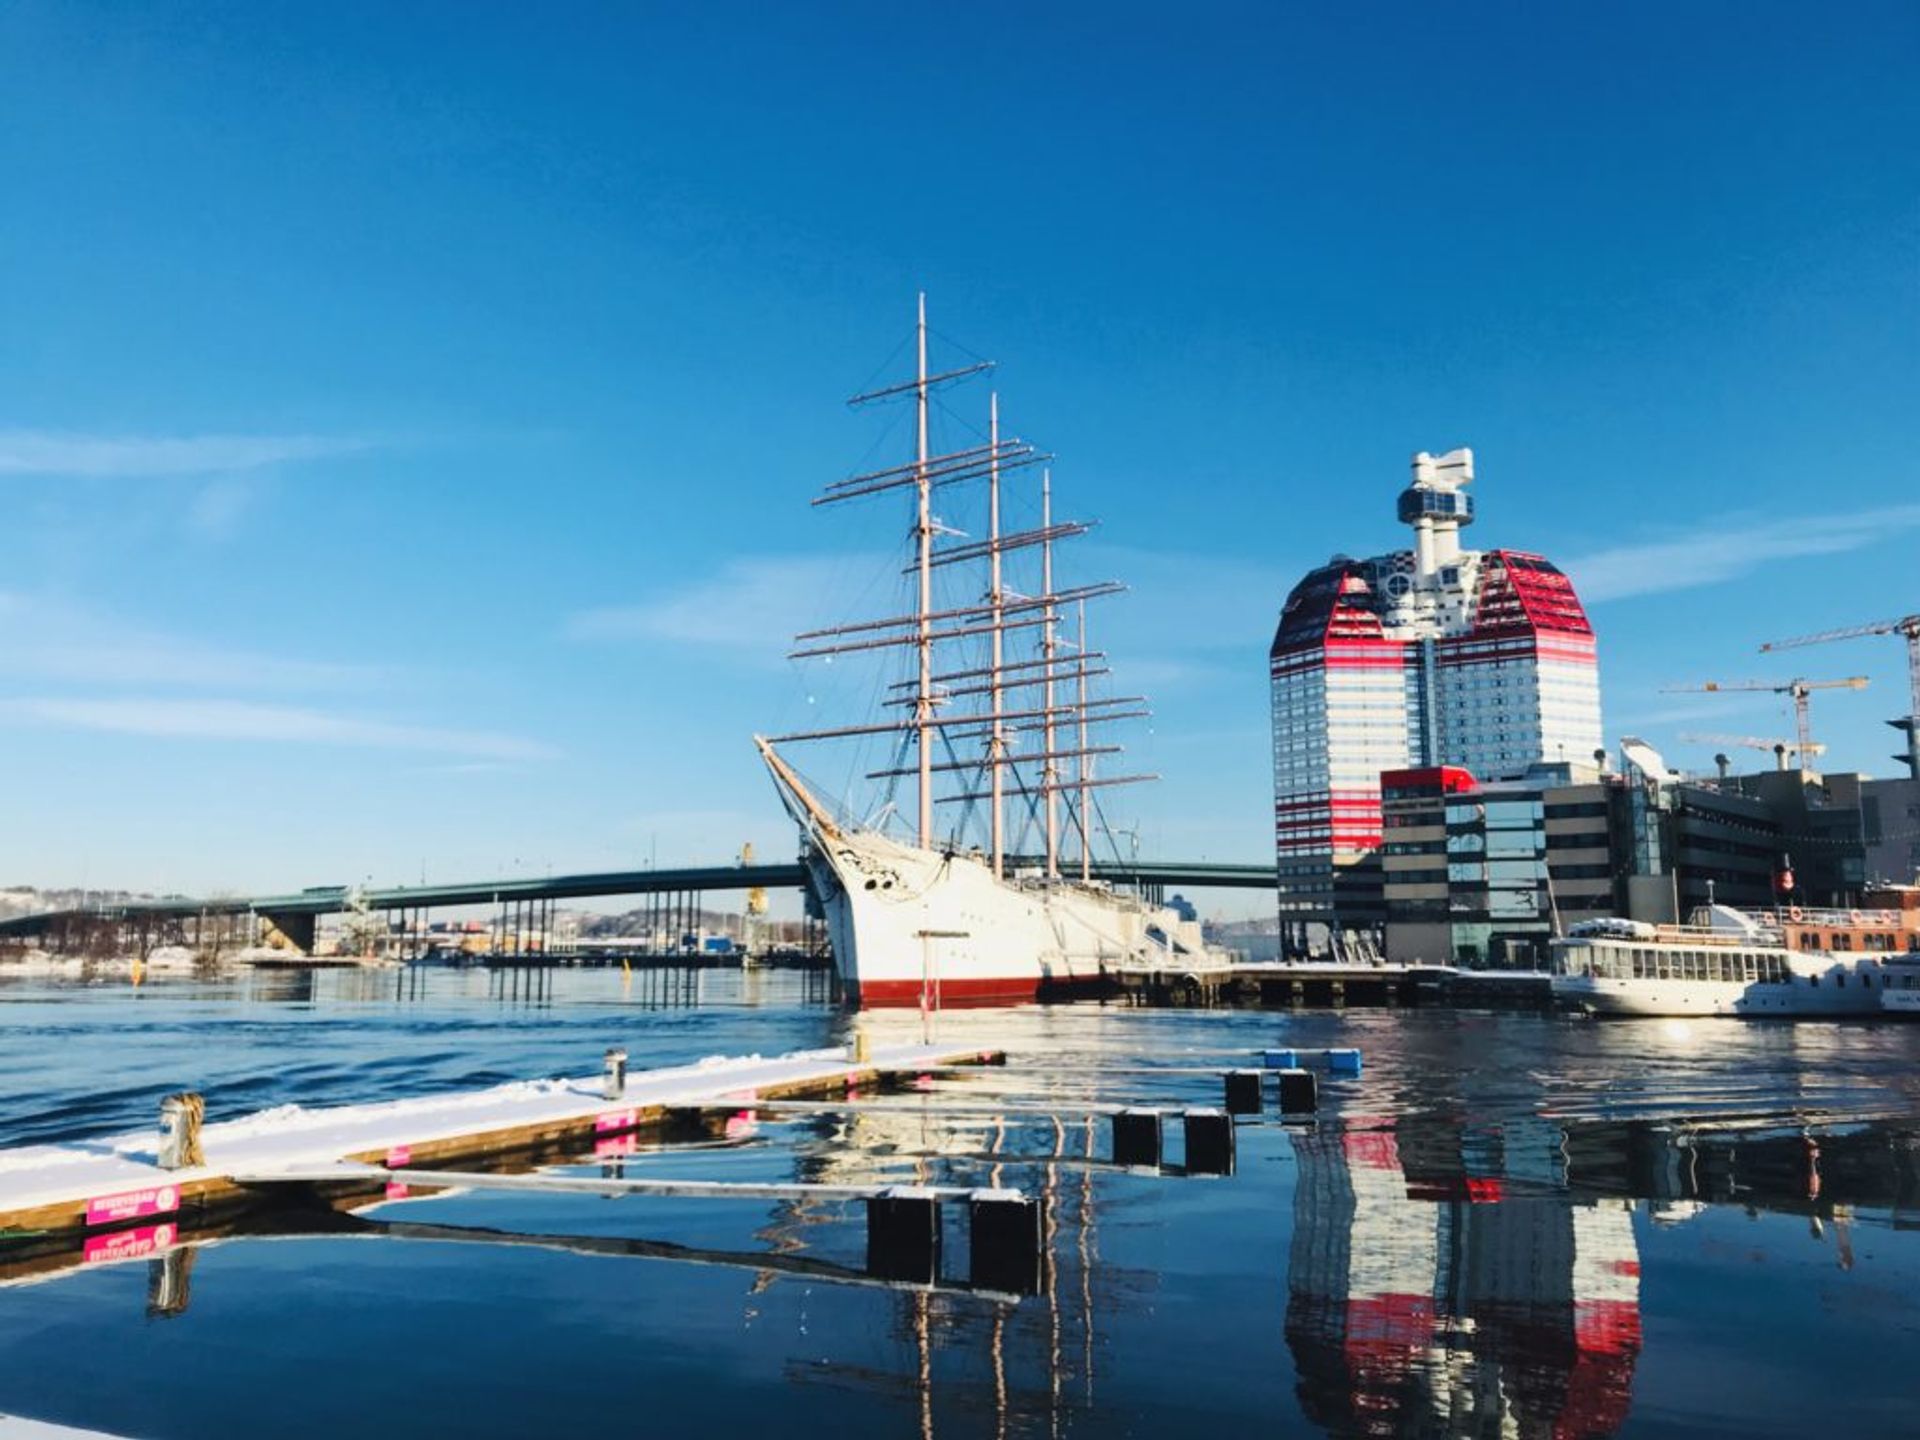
(975,990)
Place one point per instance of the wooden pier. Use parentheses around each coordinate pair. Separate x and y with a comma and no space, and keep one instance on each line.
(93,1190)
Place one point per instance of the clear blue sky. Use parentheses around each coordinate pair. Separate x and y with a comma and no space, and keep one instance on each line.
(408,413)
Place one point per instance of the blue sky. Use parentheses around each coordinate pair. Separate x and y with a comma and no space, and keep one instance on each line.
(408,414)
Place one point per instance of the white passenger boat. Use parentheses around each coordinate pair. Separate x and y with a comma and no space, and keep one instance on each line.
(1730,962)
(936,915)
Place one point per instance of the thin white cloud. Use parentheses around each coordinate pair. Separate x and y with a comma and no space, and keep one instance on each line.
(1711,556)
(244,721)
(1714,708)
(49,638)
(60,452)
(1179,600)
(755,603)
(219,507)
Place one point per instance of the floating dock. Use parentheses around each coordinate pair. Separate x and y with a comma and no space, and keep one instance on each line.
(95,1189)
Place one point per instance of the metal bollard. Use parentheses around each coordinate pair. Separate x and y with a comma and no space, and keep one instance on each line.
(1243,1092)
(903,1234)
(1209,1142)
(1299,1092)
(180,1117)
(1003,1241)
(1136,1137)
(613,1076)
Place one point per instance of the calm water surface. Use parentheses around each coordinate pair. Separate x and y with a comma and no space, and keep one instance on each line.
(1510,1225)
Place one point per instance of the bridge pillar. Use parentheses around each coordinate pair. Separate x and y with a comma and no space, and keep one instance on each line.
(287,930)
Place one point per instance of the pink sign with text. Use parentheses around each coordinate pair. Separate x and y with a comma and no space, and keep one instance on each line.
(129,1244)
(615,1120)
(133,1204)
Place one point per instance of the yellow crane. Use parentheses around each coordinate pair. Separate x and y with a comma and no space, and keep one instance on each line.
(754,921)
(1907,626)
(1799,689)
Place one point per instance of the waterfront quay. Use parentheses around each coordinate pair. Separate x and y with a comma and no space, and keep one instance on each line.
(1331,986)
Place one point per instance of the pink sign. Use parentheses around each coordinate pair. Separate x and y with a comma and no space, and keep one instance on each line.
(615,1120)
(129,1244)
(615,1145)
(741,1126)
(133,1204)
(397,1191)
(399,1155)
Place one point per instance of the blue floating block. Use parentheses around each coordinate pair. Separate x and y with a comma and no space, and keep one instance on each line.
(1343,1062)
(1281,1060)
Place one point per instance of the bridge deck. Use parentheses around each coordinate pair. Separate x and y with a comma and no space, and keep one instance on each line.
(332,899)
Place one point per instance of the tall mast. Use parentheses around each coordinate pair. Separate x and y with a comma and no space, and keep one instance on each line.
(923,706)
(1086,754)
(1050,774)
(996,748)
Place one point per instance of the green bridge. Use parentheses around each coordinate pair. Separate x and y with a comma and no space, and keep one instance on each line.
(294,914)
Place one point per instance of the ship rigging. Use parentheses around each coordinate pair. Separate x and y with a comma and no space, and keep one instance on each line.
(1033,682)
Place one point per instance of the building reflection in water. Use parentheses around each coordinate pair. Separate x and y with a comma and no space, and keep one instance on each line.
(1423,1299)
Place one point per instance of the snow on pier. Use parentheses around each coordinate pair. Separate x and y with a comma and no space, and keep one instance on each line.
(118,1180)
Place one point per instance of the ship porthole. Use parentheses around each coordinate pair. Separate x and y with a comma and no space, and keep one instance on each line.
(870,884)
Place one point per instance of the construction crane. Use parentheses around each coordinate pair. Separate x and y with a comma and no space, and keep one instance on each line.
(1907,626)
(1799,689)
(754,922)
(1779,749)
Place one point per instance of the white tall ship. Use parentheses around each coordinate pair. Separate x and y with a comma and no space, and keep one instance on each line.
(932,916)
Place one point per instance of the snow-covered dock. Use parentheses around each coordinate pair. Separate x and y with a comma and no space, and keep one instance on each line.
(116,1181)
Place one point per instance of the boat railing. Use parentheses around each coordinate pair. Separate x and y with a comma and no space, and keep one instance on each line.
(1761,934)
(1837,919)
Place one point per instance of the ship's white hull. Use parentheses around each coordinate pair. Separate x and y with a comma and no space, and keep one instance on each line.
(1797,997)
(906,923)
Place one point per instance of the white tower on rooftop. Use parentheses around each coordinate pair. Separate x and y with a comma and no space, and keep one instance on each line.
(1437,507)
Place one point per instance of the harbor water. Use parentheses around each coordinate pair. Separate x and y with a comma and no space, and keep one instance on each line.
(1507,1224)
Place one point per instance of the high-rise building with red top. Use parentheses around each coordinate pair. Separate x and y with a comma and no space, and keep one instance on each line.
(1433,655)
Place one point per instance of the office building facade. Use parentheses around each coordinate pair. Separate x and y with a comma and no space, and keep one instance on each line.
(1430,656)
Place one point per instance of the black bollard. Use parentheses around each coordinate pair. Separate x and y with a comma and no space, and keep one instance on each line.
(903,1234)
(1243,1092)
(1209,1142)
(1136,1138)
(1299,1092)
(1003,1238)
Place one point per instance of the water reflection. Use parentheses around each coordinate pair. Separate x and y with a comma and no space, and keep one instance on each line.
(1451,1280)
(1412,1314)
